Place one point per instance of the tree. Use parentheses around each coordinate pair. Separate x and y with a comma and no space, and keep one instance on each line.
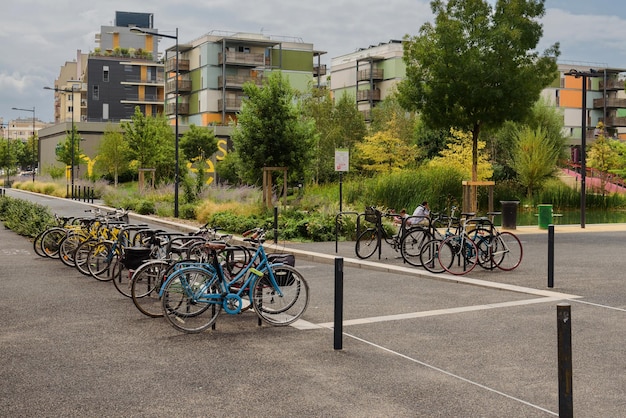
(534,158)
(198,144)
(271,130)
(603,155)
(151,143)
(458,156)
(64,149)
(477,66)
(114,154)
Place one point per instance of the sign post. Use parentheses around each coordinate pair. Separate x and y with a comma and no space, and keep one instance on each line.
(342,162)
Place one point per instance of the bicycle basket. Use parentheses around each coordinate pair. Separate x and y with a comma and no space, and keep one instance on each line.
(135,256)
(372,214)
(283,277)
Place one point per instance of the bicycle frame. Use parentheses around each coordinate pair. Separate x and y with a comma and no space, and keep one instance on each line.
(214,268)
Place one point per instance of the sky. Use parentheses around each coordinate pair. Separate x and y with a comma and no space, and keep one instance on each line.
(39,36)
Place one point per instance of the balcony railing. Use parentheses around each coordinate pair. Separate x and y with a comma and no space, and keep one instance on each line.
(366,75)
(619,103)
(170,65)
(139,80)
(152,98)
(183,109)
(230,105)
(613,84)
(237,81)
(184,86)
(242,58)
(319,70)
(367,95)
(616,121)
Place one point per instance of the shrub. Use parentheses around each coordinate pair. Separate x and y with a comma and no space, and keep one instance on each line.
(145,207)
(24,217)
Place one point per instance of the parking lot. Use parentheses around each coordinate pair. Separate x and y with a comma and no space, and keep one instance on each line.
(414,344)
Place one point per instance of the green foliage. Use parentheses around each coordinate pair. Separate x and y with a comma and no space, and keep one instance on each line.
(476,66)
(24,217)
(151,143)
(271,131)
(534,158)
(145,207)
(198,143)
(113,155)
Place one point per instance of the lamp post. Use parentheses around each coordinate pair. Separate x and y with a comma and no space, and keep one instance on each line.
(177,72)
(583,141)
(72,137)
(34,152)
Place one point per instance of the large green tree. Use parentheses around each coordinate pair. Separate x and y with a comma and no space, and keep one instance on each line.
(477,66)
(271,130)
(113,154)
(151,143)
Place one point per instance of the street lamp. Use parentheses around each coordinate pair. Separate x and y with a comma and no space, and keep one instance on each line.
(72,137)
(34,156)
(583,141)
(176,170)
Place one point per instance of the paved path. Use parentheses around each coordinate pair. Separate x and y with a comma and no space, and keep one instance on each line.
(414,344)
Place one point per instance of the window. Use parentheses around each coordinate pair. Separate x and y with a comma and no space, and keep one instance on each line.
(105,111)
(105,73)
(95,93)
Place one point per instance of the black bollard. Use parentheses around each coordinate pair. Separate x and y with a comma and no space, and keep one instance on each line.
(338,345)
(564,330)
(551,256)
(275,225)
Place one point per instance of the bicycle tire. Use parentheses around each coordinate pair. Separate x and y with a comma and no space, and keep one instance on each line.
(51,240)
(411,245)
(512,251)
(37,244)
(277,309)
(100,261)
(458,255)
(484,241)
(366,243)
(81,256)
(67,248)
(429,256)
(181,303)
(146,284)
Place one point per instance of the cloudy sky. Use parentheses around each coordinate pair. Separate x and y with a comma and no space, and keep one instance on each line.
(39,36)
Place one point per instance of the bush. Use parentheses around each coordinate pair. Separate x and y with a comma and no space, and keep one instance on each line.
(24,217)
(145,207)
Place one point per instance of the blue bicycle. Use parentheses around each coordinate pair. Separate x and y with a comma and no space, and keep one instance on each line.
(194,295)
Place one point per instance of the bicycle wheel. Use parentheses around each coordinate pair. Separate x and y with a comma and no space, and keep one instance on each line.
(483,240)
(51,240)
(37,244)
(458,255)
(145,286)
(429,256)
(67,248)
(122,277)
(507,251)
(183,303)
(411,245)
(366,243)
(100,261)
(285,303)
(81,256)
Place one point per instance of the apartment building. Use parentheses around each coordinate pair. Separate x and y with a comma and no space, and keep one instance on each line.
(213,68)
(368,74)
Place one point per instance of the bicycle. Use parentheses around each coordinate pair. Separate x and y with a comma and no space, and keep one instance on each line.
(371,238)
(429,251)
(501,249)
(418,236)
(458,253)
(193,296)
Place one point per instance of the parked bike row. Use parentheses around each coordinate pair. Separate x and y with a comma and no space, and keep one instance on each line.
(186,278)
(441,242)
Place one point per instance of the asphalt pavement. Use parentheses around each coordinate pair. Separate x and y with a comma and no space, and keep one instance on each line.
(414,344)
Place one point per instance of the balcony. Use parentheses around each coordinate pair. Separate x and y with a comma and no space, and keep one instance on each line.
(143,81)
(184,86)
(611,102)
(367,75)
(237,81)
(616,121)
(183,109)
(146,98)
(319,70)
(183,65)
(230,105)
(242,58)
(367,95)
(612,84)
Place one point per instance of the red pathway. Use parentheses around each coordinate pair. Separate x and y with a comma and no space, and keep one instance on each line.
(593,183)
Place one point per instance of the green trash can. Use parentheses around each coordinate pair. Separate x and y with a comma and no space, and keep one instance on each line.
(545,216)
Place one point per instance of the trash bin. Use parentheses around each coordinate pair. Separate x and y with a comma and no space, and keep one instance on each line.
(545,216)
(509,214)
